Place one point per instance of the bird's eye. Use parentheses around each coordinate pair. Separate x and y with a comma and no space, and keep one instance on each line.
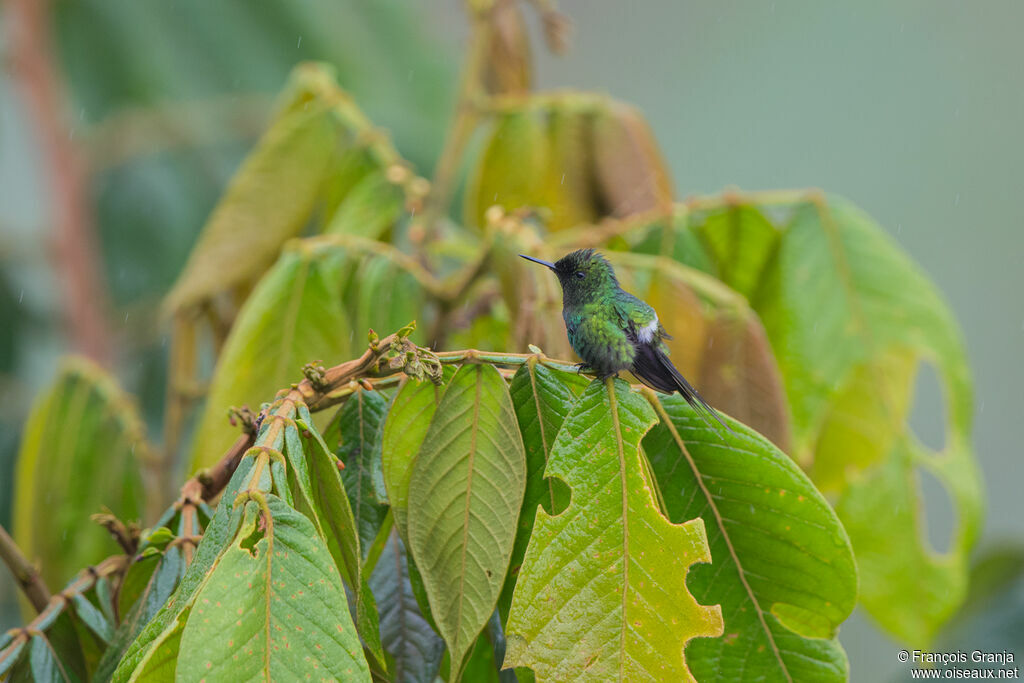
(580,274)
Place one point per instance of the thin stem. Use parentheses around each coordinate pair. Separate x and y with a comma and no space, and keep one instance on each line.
(426,279)
(25,573)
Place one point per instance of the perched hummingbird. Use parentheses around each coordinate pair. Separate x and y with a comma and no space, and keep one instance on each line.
(612,330)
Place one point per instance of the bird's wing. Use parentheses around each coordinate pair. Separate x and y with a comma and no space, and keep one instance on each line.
(639,318)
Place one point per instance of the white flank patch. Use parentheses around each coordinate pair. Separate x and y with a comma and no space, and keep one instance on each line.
(646,333)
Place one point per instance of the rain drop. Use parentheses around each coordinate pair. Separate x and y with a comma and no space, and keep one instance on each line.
(956,202)
(299,44)
(22,295)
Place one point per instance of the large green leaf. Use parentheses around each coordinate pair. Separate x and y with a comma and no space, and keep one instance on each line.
(274,607)
(362,419)
(80,453)
(602,593)
(851,320)
(782,566)
(467,489)
(294,316)
(404,430)
(414,650)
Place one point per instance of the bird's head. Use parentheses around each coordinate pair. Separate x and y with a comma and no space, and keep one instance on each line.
(584,274)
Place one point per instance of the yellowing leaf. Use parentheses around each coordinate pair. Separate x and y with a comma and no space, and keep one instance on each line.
(269,200)
(293,317)
(602,593)
(79,453)
(782,566)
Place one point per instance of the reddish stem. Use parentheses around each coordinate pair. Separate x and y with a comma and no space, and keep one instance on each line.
(74,247)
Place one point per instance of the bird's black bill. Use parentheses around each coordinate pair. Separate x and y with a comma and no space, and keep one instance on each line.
(537,260)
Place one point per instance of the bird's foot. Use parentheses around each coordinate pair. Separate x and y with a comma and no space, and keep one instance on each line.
(582,367)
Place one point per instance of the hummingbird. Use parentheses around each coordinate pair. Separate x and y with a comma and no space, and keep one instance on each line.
(612,330)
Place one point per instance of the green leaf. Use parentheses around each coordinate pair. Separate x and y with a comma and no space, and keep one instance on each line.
(782,566)
(467,489)
(577,155)
(507,173)
(362,419)
(383,296)
(163,573)
(93,618)
(294,316)
(404,430)
(370,209)
(331,504)
(274,606)
(149,582)
(154,652)
(414,650)
(52,652)
(480,666)
(269,199)
(333,516)
(542,400)
(44,664)
(851,319)
(79,453)
(602,592)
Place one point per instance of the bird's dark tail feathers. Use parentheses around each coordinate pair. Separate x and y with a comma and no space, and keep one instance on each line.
(654,369)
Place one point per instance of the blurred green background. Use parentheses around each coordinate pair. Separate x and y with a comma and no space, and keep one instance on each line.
(911,109)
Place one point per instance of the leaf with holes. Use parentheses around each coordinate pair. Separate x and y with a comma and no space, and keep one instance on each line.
(602,593)
(851,319)
(782,566)
(362,419)
(466,490)
(273,608)
(414,650)
(79,453)
(293,316)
